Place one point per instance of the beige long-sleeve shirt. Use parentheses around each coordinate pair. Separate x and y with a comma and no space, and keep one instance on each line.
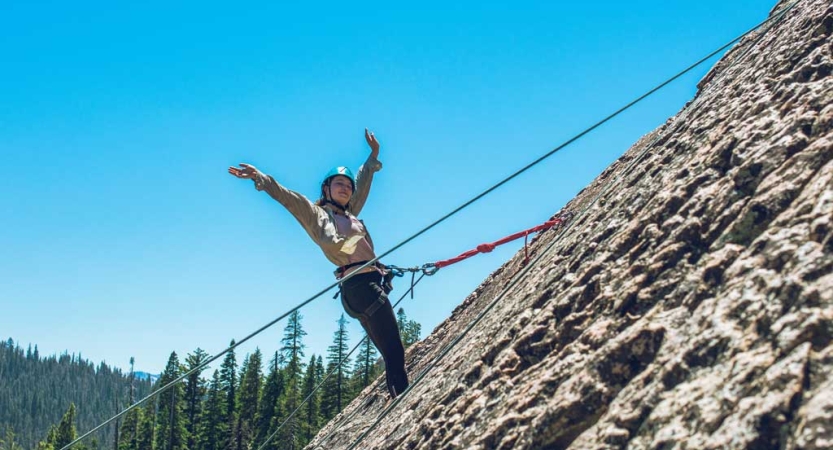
(342,237)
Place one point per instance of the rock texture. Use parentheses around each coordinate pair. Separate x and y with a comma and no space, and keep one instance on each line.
(688,303)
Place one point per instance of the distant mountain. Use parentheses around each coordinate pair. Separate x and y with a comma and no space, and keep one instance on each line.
(146,376)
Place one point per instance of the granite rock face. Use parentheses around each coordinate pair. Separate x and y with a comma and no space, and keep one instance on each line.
(688,303)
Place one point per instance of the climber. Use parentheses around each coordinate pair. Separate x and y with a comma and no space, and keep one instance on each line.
(332,223)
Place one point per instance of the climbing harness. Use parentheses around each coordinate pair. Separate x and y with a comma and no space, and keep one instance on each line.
(339,273)
(373,307)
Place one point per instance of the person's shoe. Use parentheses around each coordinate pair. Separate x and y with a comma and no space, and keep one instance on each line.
(394,388)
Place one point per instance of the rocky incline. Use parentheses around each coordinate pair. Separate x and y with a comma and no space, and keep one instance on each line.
(688,304)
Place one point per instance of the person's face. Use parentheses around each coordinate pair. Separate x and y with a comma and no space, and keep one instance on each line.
(340,189)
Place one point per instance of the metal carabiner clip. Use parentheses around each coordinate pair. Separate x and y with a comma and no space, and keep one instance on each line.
(429,269)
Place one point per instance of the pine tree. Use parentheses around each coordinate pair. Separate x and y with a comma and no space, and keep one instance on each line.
(268,409)
(195,390)
(116,427)
(336,386)
(129,435)
(8,442)
(228,386)
(292,347)
(292,350)
(66,432)
(312,419)
(170,432)
(147,426)
(409,329)
(319,370)
(51,437)
(414,332)
(289,435)
(213,426)
(251,376)
(366,368)
(62,435)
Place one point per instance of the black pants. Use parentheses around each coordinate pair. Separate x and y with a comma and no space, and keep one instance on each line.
(364,298)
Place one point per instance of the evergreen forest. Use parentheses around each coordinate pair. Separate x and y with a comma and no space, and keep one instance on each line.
(266,401)
(35,392)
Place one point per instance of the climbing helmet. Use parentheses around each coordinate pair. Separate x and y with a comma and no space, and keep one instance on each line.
(340,170)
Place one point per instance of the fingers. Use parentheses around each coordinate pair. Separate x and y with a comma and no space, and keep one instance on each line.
(247,171)
(371,140)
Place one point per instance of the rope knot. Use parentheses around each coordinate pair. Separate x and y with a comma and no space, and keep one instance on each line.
(485,248)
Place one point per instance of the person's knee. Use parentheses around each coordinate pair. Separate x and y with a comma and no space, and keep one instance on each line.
(394,357)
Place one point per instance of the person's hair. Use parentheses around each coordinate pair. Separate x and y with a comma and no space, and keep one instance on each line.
(323,199)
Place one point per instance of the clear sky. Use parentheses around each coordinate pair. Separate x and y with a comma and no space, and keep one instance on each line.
(121,234)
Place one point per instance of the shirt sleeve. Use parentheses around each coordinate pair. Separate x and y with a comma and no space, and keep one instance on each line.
(363,181)
(299,206)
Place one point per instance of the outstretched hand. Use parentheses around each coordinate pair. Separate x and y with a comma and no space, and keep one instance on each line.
(372,142)
(246,171)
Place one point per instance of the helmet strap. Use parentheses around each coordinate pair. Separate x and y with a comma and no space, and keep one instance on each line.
(328,199)
(343,209)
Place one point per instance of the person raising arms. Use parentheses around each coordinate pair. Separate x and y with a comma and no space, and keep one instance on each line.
(332,223)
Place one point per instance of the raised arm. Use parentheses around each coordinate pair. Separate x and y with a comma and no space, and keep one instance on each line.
(300,207)
(364,178)
(372,143)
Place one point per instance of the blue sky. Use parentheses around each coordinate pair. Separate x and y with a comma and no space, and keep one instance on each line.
(123,235)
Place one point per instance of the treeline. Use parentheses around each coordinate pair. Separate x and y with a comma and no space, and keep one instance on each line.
(248,405)
(35,391)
